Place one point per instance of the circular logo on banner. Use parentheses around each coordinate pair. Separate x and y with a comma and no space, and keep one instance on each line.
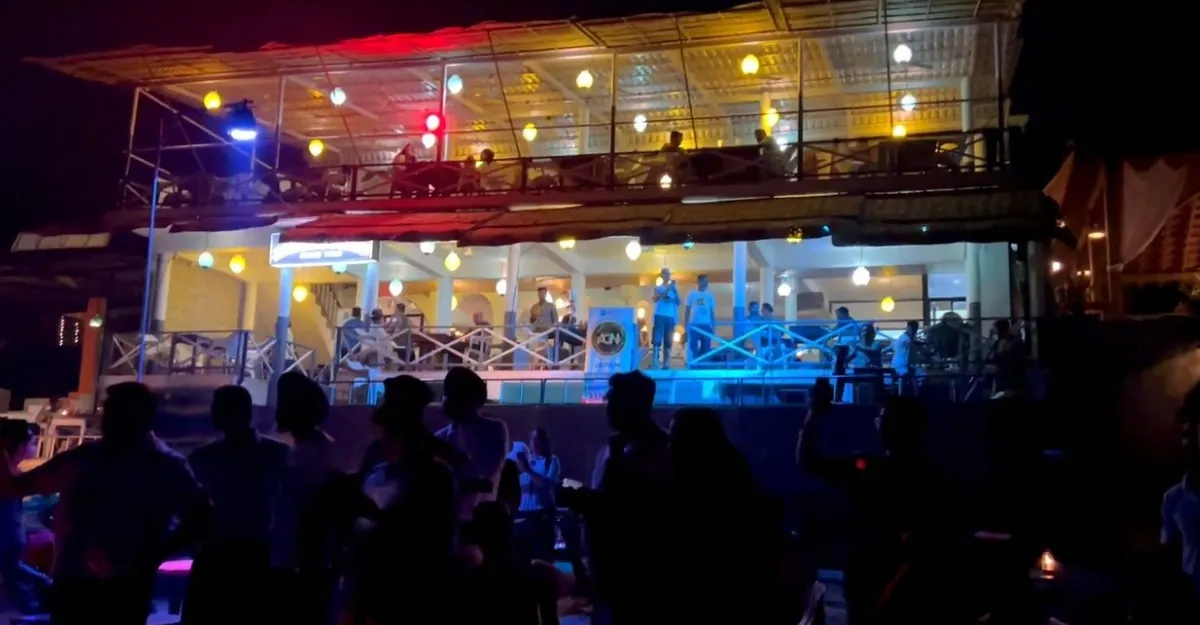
(608,339)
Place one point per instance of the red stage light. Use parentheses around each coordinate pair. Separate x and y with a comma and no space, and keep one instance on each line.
(432,122)
(860,464)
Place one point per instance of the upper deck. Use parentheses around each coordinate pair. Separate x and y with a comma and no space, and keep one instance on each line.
(856,97)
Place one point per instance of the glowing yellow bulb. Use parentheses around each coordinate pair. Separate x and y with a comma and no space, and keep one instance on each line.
(316,147)
(750,65)
(771,117)
(887,304)
(566,243)
(529,132)
(584,80)
(899,131)
(237,264)
(300,293)
(453,302)
(212,101)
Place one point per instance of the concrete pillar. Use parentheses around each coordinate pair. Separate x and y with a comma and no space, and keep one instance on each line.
(368,290)
(585,128)
(764,105)
(978,148)
(579,293)
(1037,267)
(974,288)
(279,355)
(91,351)
(162,283)
(445,302)
(766,286)
(739,285)
(512,273)
(789,302)
(989,283)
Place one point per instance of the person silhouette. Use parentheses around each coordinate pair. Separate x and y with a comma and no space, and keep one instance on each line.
(242,473)
(119,499)
(480,445)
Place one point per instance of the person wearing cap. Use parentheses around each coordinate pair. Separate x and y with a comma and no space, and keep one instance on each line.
(405,539)
(481,443)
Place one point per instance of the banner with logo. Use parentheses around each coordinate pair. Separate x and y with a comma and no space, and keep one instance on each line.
(311,254)
(612,347)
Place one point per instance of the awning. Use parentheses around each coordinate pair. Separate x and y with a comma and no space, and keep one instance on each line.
(890,220)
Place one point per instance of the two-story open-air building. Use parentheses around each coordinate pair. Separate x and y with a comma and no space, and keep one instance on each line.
(809,157)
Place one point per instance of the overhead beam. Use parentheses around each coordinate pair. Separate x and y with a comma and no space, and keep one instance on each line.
(755,251)
(429,80)
(411,254)
(348,105)
(188,95)
(570,94)
(558,258)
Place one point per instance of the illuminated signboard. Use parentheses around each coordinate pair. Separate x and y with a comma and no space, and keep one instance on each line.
(309,254)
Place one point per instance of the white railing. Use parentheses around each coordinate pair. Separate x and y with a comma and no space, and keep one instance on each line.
(480,347)
(237,353)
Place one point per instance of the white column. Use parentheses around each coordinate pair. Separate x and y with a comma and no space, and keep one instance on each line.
(766,286)
(995,279)
(1038,269)
(974,288)
(512,272)
(585,120)
(279,355)
(445,301)
(978,149)
(739,284)
(368,290)
(579,293)
(162,286)
(789,302)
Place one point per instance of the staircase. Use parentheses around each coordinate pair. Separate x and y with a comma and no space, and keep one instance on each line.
(330,299)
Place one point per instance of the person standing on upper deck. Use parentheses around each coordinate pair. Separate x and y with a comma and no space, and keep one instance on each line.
(698,318)
(666,311)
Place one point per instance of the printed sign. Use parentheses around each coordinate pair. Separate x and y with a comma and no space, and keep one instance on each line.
(310,254)
(612,348)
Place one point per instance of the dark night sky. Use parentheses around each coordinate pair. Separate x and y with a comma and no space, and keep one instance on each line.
(1115,76)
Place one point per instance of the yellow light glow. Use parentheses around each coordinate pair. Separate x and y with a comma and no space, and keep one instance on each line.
(1096,235)
(665,181)
(584,80)
(641,313)
(640,123)
(675,338)
(750,65)
(453,262)
(237,264)
(771,117)
(899,131)
(1048,564)
(316,147)
(529,132)
(501,286)
(658,281)
(453,302)
(300,293)
(395,287)
(887,304)
(212,101)
(566,243)
(1055,266)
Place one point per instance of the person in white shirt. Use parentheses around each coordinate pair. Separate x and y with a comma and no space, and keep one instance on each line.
(480,445)
(698,318)
(666,311)
(902,358)
(1181,503)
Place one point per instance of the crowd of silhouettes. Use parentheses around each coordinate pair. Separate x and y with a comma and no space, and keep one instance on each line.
(427,527)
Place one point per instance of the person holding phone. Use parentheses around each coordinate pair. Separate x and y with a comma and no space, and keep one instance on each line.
(666,311)
(540,475)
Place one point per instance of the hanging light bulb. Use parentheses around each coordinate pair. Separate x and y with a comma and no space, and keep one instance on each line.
(212,101)
(771,117)
(902,54)
(665,181)
(1055,266)
(784,289)
(584,80)
(750,65)
(428,140)
(658,281)
(899,131)
(453,302)
(395,287)
(1095,234)
(237,264)
(205,260)
(300,293)
(316,147)
(566,243)
(337,96)
(454,84)
(795,235)
(453,262)
(501,286)
(887,304)
(95,322)
(529,132)
(908,102)
(339,268)
(861,276)
(688,243)
(633,249)
(427,247)
(640,123)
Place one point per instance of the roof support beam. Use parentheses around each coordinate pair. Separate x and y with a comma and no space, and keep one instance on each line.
(411,255)
(754,250)
(188,95)
(426,78)
(562,260)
